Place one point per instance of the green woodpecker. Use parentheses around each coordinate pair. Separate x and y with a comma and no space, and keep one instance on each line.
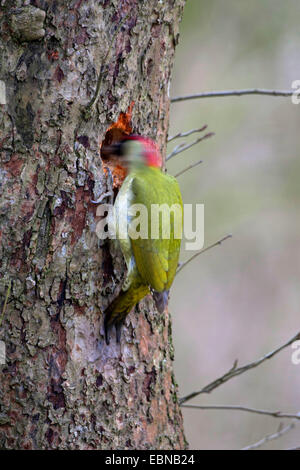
(151,258)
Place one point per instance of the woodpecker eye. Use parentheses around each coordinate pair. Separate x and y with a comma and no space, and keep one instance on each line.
(132,150)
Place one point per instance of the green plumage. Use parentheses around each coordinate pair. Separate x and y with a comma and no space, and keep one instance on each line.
(151,262)
(156,259)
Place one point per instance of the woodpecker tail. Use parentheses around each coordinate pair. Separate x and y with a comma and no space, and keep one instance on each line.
(161,299)
(117,311)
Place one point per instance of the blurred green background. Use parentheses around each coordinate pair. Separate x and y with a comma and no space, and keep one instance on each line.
(240,300)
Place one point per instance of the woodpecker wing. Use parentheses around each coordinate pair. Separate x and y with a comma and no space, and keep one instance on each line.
(157,258)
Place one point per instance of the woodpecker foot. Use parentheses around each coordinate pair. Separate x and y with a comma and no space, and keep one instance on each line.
(160,299)
(109,193)
(103,196)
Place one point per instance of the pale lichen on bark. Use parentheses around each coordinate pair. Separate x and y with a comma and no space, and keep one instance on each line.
(61,386)
(26,23)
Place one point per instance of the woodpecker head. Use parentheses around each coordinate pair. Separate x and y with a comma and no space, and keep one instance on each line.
(136,151)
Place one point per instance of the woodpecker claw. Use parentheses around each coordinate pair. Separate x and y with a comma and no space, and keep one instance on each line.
(103,196)
(109,193)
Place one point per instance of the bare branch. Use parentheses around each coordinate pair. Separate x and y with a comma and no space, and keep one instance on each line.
(186,134)
(270,437)
(188,168)
(274,414)
(182,147)
(219,242)
(217,94)
(175,150)
(234,371)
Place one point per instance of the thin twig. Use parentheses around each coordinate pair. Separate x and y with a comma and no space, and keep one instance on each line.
(274,414)
(188,168)
(186,134)
(270,437)
(234,371)
(217,94)
(219,242)
(182,147)
(5,302)
(175,149)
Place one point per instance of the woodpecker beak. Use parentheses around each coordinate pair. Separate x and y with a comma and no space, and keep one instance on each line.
(112,149)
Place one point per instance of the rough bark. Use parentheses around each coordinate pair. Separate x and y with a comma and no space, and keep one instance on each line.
(62,386)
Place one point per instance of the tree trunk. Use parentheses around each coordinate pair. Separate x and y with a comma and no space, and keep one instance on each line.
(62,386)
